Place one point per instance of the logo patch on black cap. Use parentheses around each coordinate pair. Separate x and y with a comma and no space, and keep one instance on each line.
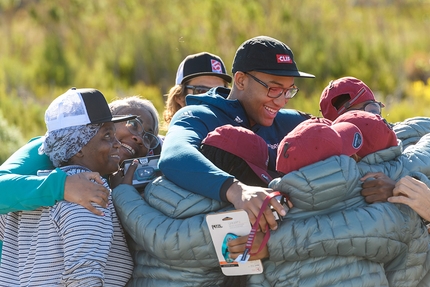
(216,66)
(284,59)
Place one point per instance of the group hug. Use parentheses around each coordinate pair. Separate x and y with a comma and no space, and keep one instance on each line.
(356,196)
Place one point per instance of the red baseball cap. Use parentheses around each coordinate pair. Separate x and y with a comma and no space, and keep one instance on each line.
(319,120)
(357,91)
(313,141)
(243,143)
(377,133)
(349,148)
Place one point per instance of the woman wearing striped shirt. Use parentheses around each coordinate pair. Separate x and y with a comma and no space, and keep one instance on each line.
(66,244)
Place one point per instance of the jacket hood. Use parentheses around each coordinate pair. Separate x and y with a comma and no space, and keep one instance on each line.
(232,108)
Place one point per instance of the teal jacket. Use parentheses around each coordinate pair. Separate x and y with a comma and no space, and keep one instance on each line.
(21,188)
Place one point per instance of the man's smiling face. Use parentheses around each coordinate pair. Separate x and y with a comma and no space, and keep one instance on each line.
(260,108)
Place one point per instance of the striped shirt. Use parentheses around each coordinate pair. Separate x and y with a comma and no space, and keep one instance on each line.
(64,245)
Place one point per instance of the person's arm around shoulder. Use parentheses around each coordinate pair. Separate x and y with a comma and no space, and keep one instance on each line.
(183,164)
(181,160)
(383,228)
(19,174)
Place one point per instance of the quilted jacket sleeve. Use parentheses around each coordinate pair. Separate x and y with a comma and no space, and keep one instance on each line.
(411,130)
(18,173)
(379,232)
(372,232)
(176,202)
(175,241)
(415,158)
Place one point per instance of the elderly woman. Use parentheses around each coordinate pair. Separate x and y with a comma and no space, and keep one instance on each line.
(66,244)
(138,137)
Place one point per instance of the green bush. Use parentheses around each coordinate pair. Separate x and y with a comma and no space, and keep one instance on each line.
(10,138)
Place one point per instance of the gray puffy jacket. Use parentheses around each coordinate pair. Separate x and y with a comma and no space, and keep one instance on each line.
(332,237)
(168,236)
(171,244)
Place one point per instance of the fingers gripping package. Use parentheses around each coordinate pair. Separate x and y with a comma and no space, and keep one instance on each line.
(227,226)
(146,170)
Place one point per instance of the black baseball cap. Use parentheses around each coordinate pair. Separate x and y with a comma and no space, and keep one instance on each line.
(201,64)
(267,55)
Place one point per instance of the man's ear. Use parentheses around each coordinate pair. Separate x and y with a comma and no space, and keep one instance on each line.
(240,80)
(79,154)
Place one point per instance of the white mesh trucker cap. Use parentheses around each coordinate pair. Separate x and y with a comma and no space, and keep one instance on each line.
(78,107)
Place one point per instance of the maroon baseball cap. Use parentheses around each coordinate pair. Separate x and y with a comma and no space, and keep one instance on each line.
(243,143)
(377,133)
(318,120)
(356,89)
(313,141)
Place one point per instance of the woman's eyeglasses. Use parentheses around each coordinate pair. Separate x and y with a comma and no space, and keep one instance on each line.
(150,141)
(276,92)
(198,89)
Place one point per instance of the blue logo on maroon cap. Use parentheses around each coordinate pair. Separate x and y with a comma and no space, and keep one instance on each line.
(357,141)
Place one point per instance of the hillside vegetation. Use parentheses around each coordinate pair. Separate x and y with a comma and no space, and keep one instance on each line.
(133,47)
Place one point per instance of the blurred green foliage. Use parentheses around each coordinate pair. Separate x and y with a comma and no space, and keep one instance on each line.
(10,137)
(133,47)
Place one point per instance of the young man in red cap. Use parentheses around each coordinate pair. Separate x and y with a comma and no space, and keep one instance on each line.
(378,135)
(346,94)
(243,154)
(264,71)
